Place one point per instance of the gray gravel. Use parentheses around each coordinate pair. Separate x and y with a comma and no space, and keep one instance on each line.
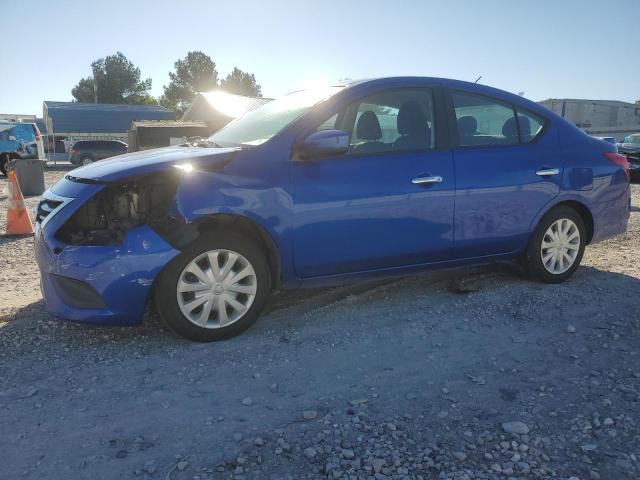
(469,374)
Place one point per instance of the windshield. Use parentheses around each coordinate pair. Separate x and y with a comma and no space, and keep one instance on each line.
(632,139)
(259,125)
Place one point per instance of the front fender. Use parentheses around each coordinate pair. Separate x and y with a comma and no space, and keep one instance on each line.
(205,194)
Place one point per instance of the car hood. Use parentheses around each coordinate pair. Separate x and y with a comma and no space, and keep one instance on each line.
(149,161)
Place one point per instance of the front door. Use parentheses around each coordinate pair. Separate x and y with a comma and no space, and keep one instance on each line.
(387,202)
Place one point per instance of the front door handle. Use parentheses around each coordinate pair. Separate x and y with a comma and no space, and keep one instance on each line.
(426,180)
(548,172)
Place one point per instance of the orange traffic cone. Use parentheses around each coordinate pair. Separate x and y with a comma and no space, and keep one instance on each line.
(18,221)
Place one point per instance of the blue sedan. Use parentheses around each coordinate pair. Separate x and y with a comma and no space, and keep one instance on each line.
(375,178)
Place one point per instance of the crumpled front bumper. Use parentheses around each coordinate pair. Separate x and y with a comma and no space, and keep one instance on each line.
(121,275)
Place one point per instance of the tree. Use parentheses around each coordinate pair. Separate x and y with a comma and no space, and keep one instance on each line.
(241,83)
(195,73)
(117,80)
(83,91)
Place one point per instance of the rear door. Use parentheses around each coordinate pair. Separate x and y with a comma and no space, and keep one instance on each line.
(388,201)
(508,168)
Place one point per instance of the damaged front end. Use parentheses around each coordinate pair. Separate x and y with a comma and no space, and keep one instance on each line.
(122,206)
(103,245)
(107,230)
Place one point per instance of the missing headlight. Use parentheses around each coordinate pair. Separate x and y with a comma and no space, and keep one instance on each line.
(123,206)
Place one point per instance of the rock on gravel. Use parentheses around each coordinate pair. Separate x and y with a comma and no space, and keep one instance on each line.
(309,414)
(515,427)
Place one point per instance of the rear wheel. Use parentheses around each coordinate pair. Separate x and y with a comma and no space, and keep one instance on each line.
(557,246)
(215,289)
(86,160)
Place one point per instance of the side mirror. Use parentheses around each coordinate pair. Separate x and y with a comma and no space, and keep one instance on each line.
(324,143)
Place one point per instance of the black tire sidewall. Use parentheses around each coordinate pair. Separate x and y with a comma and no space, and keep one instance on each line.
(4,164)
(533,259)
(165,289)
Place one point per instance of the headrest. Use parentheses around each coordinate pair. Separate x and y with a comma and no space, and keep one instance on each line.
(368,127)
(411,119)
(467,126)
(510,128)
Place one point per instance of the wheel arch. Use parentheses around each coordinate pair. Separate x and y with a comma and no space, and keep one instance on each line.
(580,208)
(245,226)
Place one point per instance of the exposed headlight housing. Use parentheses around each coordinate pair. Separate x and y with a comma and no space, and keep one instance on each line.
(121,206)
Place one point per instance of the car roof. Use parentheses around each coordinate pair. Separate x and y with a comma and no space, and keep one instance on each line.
(453,84)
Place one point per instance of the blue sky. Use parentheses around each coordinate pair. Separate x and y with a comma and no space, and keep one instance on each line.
(545,48)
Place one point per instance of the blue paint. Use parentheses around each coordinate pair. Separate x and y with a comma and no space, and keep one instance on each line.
(346,217)
(18,139)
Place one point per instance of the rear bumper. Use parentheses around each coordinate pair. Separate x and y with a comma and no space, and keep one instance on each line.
(98,284)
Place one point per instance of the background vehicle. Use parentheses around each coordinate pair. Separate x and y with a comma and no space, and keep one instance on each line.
(382,177)
(608,139)
(19,140)
(630,147)
(89,151)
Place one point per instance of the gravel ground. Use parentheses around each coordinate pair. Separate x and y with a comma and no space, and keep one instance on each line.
(468,374)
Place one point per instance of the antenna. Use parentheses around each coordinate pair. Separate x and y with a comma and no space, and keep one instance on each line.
(478,79)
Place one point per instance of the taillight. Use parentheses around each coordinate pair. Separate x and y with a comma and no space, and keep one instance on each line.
(72,150)
(619,160)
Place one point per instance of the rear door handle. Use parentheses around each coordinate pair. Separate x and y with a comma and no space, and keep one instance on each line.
(426,180)
(548,172)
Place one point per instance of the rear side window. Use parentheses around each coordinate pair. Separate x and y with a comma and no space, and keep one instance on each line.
(485,121)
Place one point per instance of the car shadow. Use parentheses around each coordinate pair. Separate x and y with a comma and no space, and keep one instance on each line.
(296,308)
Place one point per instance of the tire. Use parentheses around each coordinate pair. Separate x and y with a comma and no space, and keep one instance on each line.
(174,305)
(4,163)
(86,160)
(552,271)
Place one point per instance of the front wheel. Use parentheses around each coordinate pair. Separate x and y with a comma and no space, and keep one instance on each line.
(556,247)
(215,289)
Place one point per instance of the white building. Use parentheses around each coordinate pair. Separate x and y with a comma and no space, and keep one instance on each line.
(17,117)
(598,117)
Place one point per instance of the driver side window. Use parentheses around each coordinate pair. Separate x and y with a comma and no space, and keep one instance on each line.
(396,120)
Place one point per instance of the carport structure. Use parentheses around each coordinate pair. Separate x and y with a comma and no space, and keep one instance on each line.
(69,122)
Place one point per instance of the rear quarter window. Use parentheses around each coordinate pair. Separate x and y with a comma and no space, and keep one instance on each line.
(530,125)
